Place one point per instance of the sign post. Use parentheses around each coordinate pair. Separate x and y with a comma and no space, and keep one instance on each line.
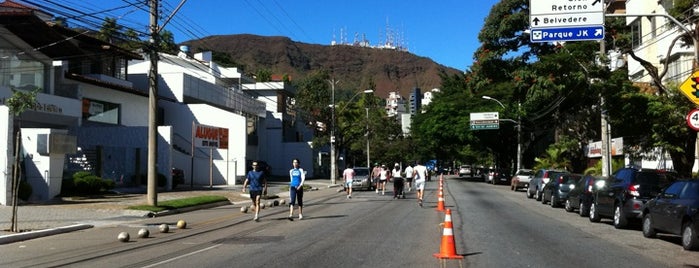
(565,20)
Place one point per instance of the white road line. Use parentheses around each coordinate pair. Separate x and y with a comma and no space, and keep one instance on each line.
(180,257)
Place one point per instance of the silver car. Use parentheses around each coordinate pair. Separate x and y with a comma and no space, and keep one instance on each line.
(521,179)
(361,179)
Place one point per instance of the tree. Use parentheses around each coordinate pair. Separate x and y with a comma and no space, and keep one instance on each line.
(19,102)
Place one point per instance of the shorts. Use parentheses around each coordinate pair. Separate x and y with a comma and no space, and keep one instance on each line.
(409,179)
(254,194)
(348,183)
(420,184)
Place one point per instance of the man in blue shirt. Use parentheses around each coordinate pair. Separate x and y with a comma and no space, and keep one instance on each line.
(298,177)
(258,186)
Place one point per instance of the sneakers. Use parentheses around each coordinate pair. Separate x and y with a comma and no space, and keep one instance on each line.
(291,217)
(256,218)
(300,217)
(419,202)
(383,193)
(377,191)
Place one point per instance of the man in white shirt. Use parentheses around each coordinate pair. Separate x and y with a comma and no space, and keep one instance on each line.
(419,175)
(409,176)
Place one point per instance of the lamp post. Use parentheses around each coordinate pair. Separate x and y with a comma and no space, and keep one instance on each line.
(519,131)
(333,162)
(368,160)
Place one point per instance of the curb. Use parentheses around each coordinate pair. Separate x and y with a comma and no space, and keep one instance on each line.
(41,233)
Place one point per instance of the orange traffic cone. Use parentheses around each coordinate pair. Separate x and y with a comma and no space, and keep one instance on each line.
(448,248)
(440,200)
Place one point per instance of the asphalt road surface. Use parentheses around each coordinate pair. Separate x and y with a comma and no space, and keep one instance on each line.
(493,227)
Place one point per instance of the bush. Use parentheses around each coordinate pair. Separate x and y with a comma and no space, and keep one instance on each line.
(84,183)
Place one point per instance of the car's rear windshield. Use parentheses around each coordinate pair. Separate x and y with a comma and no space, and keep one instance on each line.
(361,172)
(526,172)
(652,178)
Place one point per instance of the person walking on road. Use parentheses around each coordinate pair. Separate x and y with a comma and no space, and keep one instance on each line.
(375,174)
(385,174)
(297,176)
(419,176)
(398,182)
(257,181)
(348,175)
(409,176)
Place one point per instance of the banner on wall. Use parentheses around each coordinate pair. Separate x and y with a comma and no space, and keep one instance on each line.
(594,149)
(210,136)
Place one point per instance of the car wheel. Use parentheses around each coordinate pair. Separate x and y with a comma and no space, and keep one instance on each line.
(538,195)
(647,228)
(568,206)
(620,220)
(554,201)
(690,238)
(543,197)
(529,194)
(594,215)
(584,210)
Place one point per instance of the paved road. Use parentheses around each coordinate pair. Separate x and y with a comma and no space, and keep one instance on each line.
(69,214)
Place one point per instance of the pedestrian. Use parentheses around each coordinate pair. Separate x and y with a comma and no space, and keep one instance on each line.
(398,182)
(419,176)
(375,174)
(384,175)
(409,176)
(257,180)
(297,176)
(348,175)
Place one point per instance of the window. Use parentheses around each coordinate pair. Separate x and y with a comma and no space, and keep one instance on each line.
(691,191)
(673,191)
(636,33)
(101,111)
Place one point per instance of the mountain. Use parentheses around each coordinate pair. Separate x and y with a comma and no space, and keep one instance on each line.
(353,66)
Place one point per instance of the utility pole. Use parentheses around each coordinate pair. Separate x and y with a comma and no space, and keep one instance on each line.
(605,128)
(333,158)
(153,106)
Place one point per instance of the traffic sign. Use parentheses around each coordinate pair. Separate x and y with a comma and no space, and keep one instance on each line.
(693,119)
(567,34)
(690,88)
(481,121)
(566,20)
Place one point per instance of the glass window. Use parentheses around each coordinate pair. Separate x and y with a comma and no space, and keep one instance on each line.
(673,191)
(636,33)
(101,111)
(691,191)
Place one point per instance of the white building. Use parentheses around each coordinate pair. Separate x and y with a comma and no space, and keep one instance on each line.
(651,39)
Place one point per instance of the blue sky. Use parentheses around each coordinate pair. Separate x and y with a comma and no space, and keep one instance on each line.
(445,31)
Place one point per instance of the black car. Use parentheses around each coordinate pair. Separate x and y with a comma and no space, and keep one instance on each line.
(500,176)
(676,211)
(539,180)
(624,194)
(580,196)
(556,191)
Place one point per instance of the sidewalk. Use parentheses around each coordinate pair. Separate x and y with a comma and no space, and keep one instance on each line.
(66,214)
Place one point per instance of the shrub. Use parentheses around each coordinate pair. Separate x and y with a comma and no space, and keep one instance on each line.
(84,183)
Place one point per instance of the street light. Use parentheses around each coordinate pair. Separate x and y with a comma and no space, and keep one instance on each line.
(519,130)
(333,158)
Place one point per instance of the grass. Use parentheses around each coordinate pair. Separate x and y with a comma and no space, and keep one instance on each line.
(181,203)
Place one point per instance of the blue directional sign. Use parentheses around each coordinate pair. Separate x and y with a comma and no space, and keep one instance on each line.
(582,33)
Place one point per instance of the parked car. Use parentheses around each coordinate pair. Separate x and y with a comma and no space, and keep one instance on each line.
(556,191)
(465,171)
(521,179)
(675,211)
(537,183)
(624,193)
(500,176)
(580,196)
(361,179)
